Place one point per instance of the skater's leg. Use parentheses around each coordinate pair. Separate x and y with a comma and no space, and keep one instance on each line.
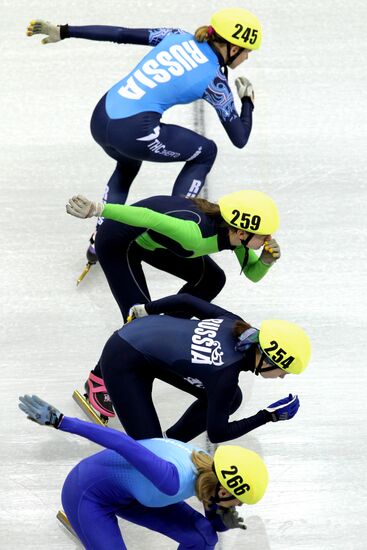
(144,137)
(124,174)
(120,261)
(204,278)
(126,167)
(95,525)
(178,521)
(129,382)
(198,152)
(182,144)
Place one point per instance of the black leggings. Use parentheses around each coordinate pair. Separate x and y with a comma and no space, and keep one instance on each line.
(129,378)
(122,140)
(121,258)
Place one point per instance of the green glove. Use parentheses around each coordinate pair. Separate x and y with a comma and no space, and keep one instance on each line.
(230,518)
(38,26)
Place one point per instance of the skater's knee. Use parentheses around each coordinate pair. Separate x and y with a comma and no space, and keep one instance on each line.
(211,150)
(216,280)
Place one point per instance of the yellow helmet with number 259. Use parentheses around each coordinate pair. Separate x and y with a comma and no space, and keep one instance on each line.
(241,472)
(238,26)
(285,344)
(253,211)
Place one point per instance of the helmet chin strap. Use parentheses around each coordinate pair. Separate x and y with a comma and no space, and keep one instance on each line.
(244,244)
(259,368)
(231,58)
(216,499)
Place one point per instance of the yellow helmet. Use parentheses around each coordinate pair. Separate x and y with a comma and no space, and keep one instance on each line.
(285,344)
(241,472)
(253,211)
(238,26)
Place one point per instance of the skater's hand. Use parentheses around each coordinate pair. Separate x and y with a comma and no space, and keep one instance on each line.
(270,253)
(230,518)
(284,409)
(136,311)
(80,207)
(39,411)
(244,88)
(38,26)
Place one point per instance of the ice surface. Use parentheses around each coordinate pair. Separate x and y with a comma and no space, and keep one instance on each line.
(307,149)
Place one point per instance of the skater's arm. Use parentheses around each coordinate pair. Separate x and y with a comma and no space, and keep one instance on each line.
(186,232)
(187,305)
(163,474)
(120,35)
(220,397)
(220,96)
(254,269)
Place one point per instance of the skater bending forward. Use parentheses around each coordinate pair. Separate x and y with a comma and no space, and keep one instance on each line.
(203,357)
(180,68)
(176,235)
(146,482)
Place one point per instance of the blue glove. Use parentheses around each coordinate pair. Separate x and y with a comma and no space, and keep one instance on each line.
(39,411)
(284,409)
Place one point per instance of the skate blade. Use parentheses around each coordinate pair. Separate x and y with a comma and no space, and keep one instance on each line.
(84,272)
(88,409)
(61,516)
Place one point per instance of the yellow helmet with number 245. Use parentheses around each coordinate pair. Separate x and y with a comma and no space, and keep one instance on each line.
(241,472)
(285,344)
(253,211)
(238,26)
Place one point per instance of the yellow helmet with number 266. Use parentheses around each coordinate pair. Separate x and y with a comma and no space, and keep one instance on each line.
(238,26)
(241,472)
(285,344)
(253,211)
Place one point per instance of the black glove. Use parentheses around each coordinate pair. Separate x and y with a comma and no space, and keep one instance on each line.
(230,518)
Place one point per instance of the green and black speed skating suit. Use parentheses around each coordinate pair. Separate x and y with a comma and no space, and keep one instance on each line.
(173,235)
(196,356)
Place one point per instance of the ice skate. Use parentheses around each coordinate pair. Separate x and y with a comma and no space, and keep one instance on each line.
(96,402)
(62,517)
(91,259)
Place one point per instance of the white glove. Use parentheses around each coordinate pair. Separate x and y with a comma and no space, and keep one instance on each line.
(270,252)
(244,88)
(80,207)
(136,311)
(38,26)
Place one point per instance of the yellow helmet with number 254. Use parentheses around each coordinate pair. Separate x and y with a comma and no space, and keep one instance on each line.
(241,472)
(238,26)
(285,344)
(253,211)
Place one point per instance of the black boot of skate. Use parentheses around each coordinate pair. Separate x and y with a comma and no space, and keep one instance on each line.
(91,258)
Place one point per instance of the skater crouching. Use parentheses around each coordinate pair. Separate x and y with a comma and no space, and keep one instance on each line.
(203,357)
(176,235)
(147,482)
